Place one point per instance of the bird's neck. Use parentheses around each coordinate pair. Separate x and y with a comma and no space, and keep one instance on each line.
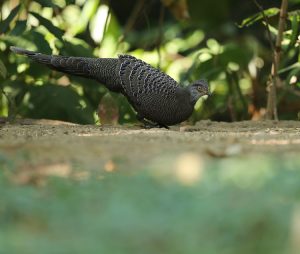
(194,95)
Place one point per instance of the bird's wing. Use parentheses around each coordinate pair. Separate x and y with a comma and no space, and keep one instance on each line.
(140,79)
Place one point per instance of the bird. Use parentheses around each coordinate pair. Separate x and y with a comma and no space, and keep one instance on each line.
(158,99)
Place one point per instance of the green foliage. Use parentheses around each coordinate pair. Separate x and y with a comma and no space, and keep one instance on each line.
(230,209)
(52,104)
(235,61)
(5,23)
(58,33)
(3,70)
(259,16)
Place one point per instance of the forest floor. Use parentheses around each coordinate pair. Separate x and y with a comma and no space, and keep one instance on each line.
(59,147)
(105,189)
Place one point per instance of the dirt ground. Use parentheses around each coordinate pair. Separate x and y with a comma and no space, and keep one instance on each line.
(42,143)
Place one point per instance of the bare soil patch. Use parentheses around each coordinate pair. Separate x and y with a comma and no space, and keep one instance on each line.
(32,143)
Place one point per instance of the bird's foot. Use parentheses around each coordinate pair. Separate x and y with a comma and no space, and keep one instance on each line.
(149,125)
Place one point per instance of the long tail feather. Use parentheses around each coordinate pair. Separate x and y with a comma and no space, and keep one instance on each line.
(41,58)
(101,69)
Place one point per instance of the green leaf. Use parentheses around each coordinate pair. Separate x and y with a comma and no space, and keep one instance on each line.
(57,102)
(19,28)
(295,29)
(291,67)
(46,3)
(294,71)
(57,32)
(258,16)
(4,25)
(76,47)
(69,2)
(19,42)
(89,9)
(38,39)
(3,70)
(31,40)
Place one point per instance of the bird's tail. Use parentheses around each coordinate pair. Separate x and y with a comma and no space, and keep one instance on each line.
(38,57)
(101,69)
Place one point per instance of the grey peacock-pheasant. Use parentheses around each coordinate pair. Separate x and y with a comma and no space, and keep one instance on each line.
(157,98)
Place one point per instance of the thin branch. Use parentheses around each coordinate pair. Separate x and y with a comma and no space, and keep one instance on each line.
(261,9)
(235,80)
(132,19)
(231,102)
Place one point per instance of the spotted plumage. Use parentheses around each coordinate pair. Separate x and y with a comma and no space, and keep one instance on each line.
(154,95)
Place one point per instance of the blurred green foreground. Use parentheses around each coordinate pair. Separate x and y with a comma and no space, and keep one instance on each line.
(231,205)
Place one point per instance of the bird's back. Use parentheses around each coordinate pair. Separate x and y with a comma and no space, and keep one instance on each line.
(154,94)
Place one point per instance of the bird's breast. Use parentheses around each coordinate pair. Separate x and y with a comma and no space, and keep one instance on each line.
(167,111)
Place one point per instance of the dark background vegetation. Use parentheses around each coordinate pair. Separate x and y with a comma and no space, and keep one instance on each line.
(187,39)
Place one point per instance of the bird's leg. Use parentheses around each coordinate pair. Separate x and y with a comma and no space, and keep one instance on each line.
(163,126)
(148,124)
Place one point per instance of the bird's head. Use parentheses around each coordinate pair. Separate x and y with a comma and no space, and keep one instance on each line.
(198,89)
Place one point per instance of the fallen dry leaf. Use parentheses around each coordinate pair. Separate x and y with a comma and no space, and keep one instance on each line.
(224,151)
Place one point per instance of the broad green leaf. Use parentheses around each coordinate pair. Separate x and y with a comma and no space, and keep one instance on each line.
(3,70)
(4,25)
(295,31)
(57,32)
(258,16)
(58,102)
(19,28)
(296,13)
(89,9)
(31,40)
(16,41)
(76,47)
(38,39)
